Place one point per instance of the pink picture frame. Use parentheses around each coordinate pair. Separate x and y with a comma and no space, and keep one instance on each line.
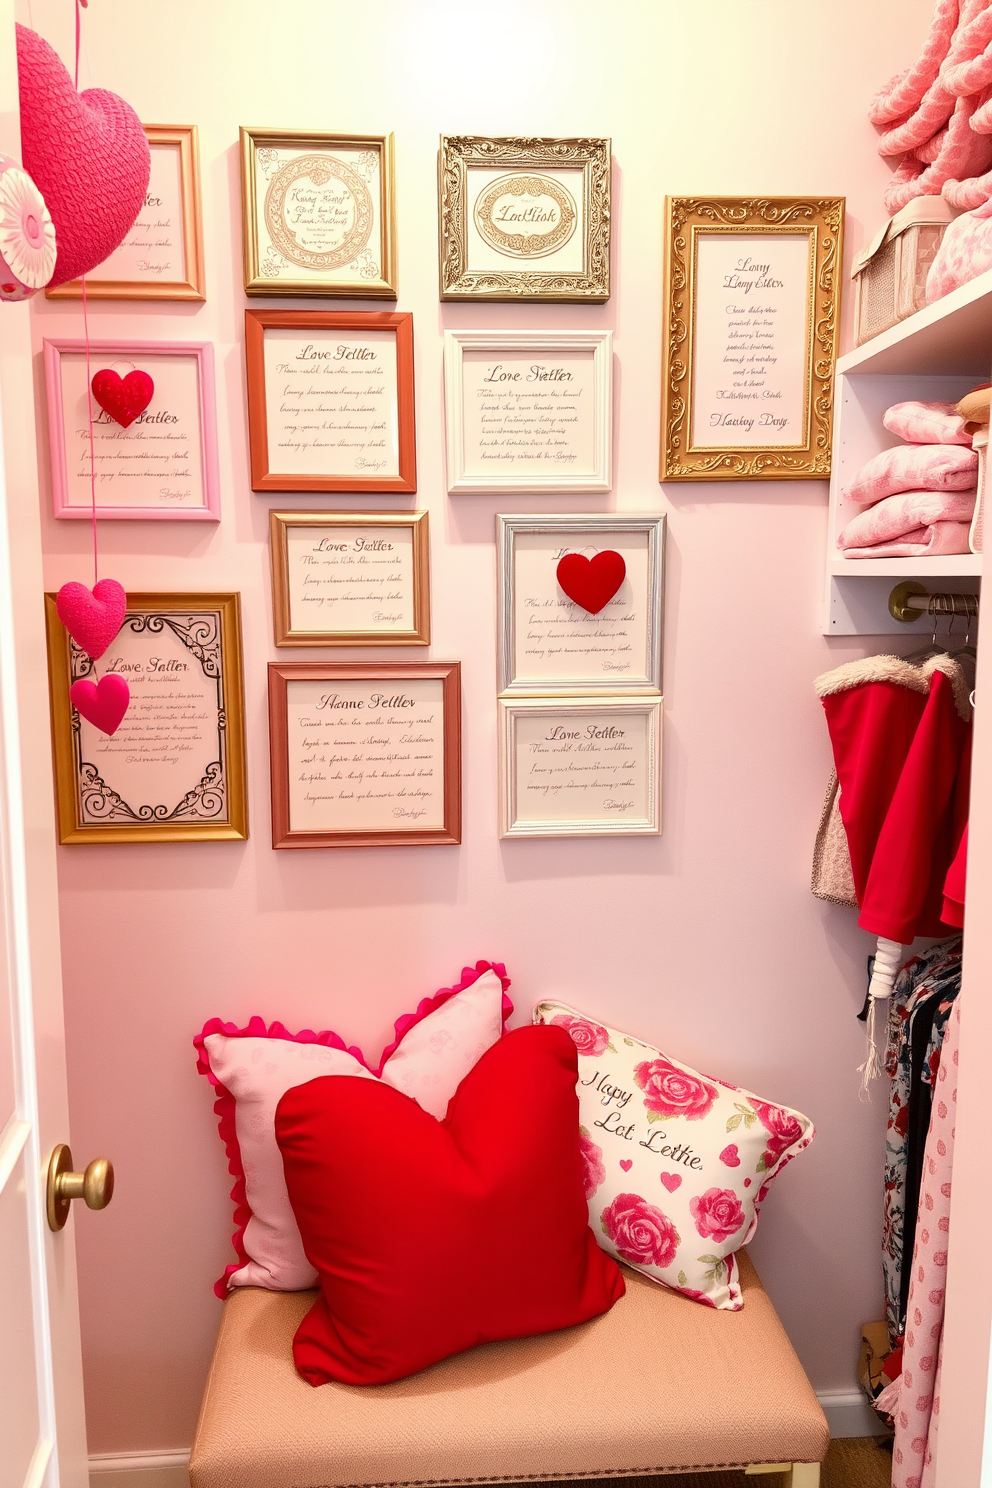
(163,467)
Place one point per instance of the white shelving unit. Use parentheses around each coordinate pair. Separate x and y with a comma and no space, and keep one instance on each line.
(939,353)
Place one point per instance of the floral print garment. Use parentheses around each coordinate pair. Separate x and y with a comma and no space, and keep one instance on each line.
(935,973)
(914,1399)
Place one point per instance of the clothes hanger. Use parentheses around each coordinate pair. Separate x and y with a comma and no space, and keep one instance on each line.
(935,607)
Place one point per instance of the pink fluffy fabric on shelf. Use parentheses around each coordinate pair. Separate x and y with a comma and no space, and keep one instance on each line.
(926,423)
(939,539)
(896,516)
(965,251)
(913,467)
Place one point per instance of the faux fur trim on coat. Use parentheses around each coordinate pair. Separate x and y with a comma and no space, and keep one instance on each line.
(959,671)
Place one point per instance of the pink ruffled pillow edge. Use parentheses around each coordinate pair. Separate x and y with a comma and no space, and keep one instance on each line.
(225,1105)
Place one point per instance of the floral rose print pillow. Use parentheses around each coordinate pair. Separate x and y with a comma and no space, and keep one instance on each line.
(676,1164)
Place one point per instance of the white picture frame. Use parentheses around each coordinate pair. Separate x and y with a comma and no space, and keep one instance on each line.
(625,653)
(547,749)
(502,391)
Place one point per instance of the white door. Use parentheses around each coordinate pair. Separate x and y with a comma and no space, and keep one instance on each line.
(42,1433)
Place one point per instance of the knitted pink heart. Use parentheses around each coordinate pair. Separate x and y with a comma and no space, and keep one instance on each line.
(102,704)
(730,1156)
(626,1163)
(87,154)
(672,1181)
(92,618)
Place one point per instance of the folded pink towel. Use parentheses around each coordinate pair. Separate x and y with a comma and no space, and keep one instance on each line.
(923,542)
(895,516)
(926,423)
(913,467)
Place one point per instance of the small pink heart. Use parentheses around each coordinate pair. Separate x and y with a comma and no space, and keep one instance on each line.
(626,1163)
(102,704)
(94,617)
(730,1156)
(672,1181)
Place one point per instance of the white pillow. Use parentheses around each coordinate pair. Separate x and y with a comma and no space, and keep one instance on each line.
(677,1164)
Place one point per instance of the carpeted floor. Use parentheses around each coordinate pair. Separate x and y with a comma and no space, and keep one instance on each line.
(854,1462)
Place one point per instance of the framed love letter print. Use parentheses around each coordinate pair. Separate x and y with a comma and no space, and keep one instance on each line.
(318,214)
(154,446)
(581,599)
(350,578)
(174,769)
(330,400)
(529,410)
(365,755)
(580,767)
(161,258)
(525,219)
(752,297)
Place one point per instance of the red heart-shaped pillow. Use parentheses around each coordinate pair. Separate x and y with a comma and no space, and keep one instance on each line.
(87,154)
(122,397)
(592,582)
(433,1236)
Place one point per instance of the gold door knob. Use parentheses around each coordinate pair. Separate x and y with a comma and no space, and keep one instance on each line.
(95,1187)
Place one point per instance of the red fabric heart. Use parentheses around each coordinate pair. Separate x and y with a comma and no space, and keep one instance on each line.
(591,582)
(730,1156)
(92,618)
(102,704)
(87,154)
(626,1163)
(122,397)
(427,1234)
(671,1181)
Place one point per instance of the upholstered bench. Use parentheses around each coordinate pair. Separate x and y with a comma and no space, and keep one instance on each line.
(658,1385)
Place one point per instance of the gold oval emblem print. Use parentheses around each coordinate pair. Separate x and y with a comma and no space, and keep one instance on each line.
(318,212)
(526,216)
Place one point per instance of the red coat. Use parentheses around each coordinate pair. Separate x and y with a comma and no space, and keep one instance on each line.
(901,737)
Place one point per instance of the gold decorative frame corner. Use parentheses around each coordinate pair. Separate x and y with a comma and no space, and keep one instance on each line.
(820,218)
(459,153)
(383,288)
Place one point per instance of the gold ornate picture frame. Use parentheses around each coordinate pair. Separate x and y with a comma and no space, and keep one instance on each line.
(752,300)
(523,218)
(174,770)
(318,214)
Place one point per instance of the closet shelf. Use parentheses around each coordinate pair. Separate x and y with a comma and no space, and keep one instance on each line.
(952,336)
(962,565)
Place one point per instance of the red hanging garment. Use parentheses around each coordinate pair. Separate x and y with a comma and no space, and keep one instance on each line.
(901,737)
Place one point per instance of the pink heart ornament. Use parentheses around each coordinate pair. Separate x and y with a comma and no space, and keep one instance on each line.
(626,1163)
(92,618)
(103,704)
(730,1156)
(671,1181)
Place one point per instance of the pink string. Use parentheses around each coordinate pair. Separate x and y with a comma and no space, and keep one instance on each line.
(80,6)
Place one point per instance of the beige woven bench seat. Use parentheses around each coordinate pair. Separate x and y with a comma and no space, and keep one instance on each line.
(658,1385)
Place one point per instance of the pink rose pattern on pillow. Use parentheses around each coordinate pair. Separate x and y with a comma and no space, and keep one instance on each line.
(675,1164)
(672,1091)
(588,1037)
(593,1171)
(639,1231)
(717,1214)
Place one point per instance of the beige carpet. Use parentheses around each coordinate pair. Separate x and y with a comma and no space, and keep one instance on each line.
(855,1462)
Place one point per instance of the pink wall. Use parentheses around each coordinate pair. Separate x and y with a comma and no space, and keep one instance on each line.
(707,939)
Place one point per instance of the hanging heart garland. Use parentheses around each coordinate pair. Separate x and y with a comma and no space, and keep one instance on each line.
(591,582)
(123,398)
(103,703)
(92,617)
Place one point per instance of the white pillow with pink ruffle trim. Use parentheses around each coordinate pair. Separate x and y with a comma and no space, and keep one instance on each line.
(253,1067)
(676,1164)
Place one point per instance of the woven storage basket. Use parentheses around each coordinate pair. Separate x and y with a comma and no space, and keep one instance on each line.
(890,275)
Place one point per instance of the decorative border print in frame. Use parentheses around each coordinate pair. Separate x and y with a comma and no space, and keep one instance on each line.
(318,214)
(752,295)
(524,218)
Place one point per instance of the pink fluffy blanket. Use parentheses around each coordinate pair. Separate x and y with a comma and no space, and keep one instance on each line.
(940,538)
(899,518)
